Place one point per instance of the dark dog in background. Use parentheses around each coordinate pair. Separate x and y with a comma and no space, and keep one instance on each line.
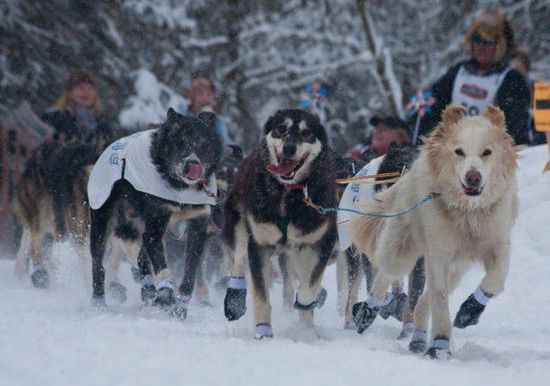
(266,210)
(183,153)
(51,202)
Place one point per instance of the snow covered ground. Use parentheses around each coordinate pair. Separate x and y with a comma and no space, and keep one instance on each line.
(54,337)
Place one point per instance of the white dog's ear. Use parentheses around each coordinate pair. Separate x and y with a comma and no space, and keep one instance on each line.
(495,116)
(452,114)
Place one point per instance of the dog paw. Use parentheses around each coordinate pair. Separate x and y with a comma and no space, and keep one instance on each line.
(417,346)
(395,307)
(469,313)
(234,303)
(363,316)
(40,278)
(118,292)
(148,293)
(98,302)
(263,331)
(165,297)
(179,308)
(439,349)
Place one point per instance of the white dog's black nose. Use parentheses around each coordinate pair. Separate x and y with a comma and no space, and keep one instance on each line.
(473,178)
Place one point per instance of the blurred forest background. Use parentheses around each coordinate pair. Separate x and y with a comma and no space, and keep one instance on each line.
(371,55)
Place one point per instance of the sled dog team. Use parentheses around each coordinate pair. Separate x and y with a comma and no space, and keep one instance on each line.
(454,206)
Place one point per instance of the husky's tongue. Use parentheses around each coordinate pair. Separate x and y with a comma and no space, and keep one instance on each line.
(285,167)
(193,170)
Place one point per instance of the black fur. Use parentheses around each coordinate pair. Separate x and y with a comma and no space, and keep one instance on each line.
(260,194)
(176,139)
(396,159)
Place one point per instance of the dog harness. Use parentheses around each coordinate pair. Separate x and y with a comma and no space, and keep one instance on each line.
(476,92)
(352,196)
(129,158)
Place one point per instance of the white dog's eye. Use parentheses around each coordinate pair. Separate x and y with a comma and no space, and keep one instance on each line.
(459,152)
(486,153)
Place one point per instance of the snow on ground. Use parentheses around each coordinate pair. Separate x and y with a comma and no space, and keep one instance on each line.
(54,337)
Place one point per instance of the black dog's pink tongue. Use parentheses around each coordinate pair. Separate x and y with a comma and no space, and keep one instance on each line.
(284,168)
(193,170)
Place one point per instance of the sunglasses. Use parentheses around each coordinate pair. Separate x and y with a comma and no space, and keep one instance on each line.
(478,39)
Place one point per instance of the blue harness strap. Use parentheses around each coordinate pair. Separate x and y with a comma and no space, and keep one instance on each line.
(429,197)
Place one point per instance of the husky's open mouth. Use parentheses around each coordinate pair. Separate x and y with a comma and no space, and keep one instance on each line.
(286,168)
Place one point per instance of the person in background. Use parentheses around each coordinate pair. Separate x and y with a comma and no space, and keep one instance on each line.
(485,78)
(520,61)
(201,96)
(385,131)
(76,115)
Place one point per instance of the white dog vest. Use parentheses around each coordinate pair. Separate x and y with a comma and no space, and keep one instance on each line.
(129,158)
(476,92)
(354,194)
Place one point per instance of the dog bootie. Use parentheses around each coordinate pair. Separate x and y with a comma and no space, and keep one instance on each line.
(166,295)
(363,316)
(234,304)
(470,311)
(263,330)
(179,308)
(118,292)
(148,290)
(418,343)
(439,349)
(40,278)
(395,307)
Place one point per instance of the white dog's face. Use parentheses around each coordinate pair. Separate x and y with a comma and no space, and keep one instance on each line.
(293,142)
(473,158)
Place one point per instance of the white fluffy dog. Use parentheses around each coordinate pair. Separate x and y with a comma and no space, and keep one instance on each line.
(468,165)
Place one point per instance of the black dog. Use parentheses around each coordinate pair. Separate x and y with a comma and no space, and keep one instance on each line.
(143,182)
(266,209)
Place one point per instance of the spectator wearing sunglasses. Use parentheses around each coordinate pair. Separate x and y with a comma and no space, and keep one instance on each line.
(485,78)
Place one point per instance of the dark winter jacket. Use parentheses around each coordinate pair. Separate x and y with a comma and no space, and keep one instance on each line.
(513,97)
(67,128)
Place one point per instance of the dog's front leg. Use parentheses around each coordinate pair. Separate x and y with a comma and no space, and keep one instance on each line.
(259,258)
(437,269)
(237,239)
(196,239)
(309,264)
(152,243)
(496,268)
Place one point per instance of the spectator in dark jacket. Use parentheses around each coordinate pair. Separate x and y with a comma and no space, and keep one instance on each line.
(486,78)
(76,115)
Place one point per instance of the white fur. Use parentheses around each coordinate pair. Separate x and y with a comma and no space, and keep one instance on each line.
(455,229)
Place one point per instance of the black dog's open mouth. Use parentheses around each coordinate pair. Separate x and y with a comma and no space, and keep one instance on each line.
(472,191)
(287,168)
(193,170)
